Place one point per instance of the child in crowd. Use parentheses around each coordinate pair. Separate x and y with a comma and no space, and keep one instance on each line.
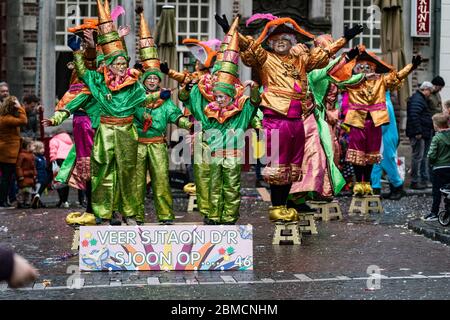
(26,174)
(439,158)
(42,174)
(60,146)
(446,110)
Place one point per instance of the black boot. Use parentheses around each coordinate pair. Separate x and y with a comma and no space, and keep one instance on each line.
(377,191)
(397,193)
(391,191)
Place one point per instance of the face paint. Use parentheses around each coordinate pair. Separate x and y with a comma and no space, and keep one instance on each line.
(222,99)
(119,66)
(152,82)
(363,67)
(281,43)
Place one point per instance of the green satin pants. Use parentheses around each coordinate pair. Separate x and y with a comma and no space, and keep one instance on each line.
(154,158)
(224,189)
(201,175)
(113,170)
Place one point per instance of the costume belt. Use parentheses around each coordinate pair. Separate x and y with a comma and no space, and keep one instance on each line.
(159,139)
(221,153)
(290,94)
(116,121)
(373,107)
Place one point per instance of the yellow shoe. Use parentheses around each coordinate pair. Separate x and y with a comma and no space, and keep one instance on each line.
(76,218)
(293,214)
(87,219)
(358,189)
(73,217)
(281,213)
(189,188)
(368,188)
(277,213)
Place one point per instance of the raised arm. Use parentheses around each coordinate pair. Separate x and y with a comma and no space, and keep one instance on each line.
(394,79)
(251,52)
(179,77)
(319,57)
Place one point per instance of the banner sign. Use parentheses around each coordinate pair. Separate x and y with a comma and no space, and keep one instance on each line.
(421,18)
(164,248)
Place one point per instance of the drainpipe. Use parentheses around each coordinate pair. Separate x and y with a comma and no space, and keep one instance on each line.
(437,36)
(37,77)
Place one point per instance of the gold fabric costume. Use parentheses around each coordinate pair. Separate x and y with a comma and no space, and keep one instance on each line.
(186,77)
(284,77)
(370,97)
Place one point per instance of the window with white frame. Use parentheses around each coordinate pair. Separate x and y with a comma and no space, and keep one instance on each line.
(193,19)
(364,12)
(70,13)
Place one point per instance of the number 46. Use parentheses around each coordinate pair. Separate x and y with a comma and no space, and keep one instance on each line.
(246,263)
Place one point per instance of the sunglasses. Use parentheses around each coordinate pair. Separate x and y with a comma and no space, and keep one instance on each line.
(364,67)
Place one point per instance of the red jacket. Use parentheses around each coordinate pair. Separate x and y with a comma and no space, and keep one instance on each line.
(26,169)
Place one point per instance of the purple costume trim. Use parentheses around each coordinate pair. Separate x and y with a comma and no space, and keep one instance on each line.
(76,87)
(232,56)
(83,135)
(364,144)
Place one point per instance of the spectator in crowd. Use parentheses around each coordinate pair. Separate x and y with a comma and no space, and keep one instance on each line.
(12,116)
(447,108)
(419,130)
(42,173)
(26,174)
(439,157)
(4,91)
(435,100)
(60,146)
(15,270)
(31,104)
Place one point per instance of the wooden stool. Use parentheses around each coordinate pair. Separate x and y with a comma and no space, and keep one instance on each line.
(365,205)
(76,240)
(326,210)
(192,204)
(286,233)
(310,225)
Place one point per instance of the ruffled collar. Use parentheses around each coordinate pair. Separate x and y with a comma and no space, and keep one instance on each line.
(213,110)
(115,83)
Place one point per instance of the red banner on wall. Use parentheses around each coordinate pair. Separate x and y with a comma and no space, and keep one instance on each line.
(421,18)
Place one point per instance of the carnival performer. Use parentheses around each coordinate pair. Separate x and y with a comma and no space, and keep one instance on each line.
(322,179)
(205,53)
(388,163)
(282,71)
(151,123)
(367,112)
(118,93)
(75,170)
(224,122)
(78,101)
(208,56)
